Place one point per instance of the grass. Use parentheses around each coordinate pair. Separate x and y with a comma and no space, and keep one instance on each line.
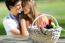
(3,12)
(56,9)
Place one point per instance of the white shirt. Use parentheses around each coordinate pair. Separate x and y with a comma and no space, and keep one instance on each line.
(10,23)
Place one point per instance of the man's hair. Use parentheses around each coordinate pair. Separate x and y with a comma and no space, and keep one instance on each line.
(10,3)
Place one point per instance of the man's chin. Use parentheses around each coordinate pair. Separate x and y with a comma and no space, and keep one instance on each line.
(19,12)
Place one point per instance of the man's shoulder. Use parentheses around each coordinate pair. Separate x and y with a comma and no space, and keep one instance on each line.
(7,19)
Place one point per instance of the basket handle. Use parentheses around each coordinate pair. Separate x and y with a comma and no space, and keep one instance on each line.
(45,15)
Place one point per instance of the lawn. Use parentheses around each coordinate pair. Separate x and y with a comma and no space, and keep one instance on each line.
(57,9)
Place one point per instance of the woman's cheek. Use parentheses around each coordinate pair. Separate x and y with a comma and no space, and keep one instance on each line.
(26,10)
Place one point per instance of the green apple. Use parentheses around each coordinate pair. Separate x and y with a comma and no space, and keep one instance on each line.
(53,25)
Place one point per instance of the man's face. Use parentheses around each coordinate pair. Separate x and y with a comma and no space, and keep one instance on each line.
(17,8)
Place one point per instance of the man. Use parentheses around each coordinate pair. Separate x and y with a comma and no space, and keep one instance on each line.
(11,22)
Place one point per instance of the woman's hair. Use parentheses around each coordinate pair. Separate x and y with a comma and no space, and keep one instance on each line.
(33,11)
(10,3)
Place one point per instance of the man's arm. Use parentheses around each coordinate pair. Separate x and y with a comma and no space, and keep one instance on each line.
(15,32)
(11,27)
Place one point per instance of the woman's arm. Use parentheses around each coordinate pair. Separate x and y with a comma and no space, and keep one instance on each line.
(23,27)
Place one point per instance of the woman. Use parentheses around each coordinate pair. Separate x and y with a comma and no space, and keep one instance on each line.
(30,13)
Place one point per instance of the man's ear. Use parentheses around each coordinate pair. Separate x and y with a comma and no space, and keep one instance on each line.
(10,7)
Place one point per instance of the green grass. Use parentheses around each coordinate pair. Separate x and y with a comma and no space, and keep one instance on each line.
(2,30)
(3,12)
(55,9)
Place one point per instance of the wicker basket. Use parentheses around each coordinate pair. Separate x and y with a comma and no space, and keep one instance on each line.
(45,35)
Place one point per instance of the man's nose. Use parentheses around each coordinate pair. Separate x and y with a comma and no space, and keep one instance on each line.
(20,7)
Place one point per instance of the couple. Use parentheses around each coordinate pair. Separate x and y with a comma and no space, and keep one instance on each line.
(20,17)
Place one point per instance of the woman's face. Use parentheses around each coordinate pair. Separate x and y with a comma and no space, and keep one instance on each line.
(26,9)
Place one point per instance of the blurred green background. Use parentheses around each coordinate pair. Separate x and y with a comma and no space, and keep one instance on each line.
(53,7)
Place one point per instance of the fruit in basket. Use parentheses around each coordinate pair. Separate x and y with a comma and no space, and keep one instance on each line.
(50,21)
(53,24)
(43,21)
(50,25)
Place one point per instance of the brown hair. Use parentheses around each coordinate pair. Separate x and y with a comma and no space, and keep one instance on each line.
(10,3)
